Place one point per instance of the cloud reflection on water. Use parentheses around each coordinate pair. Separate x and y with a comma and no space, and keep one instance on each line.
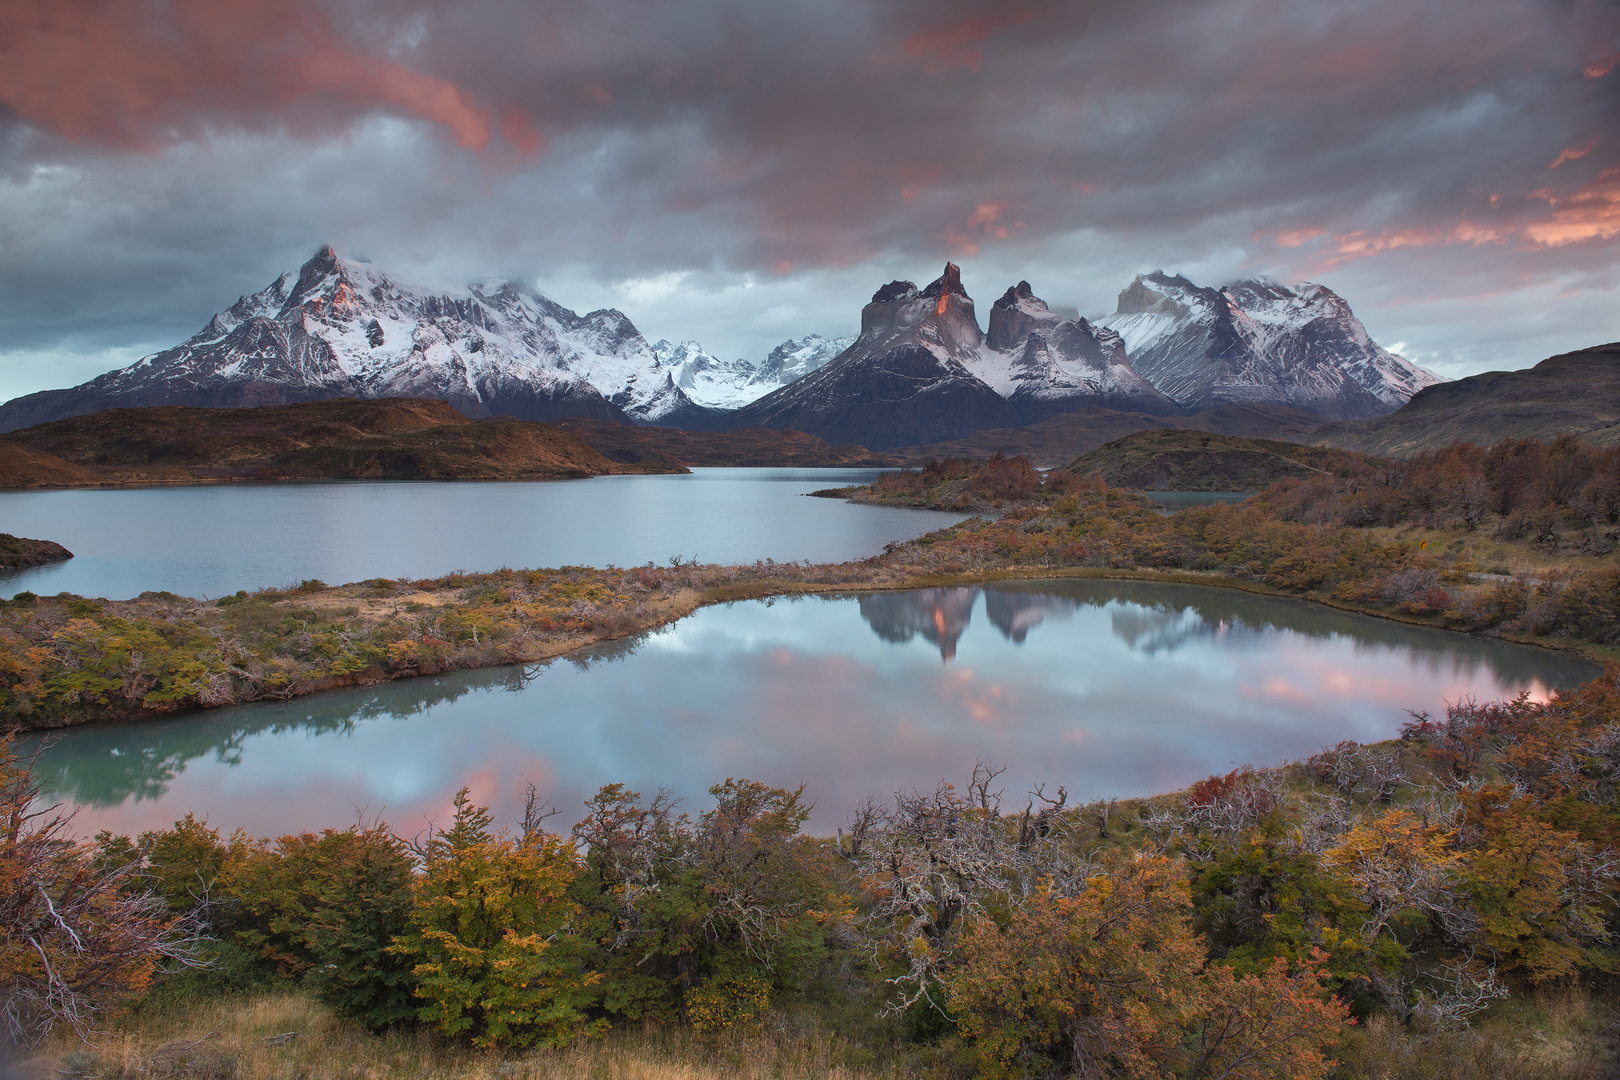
(1112,688)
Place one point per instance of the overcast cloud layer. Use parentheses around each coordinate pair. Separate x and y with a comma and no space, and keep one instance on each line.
(738,173)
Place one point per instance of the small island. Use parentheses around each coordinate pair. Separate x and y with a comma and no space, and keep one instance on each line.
(19,553)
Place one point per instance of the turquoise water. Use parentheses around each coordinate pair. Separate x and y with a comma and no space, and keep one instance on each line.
(215,539)
(1109,688)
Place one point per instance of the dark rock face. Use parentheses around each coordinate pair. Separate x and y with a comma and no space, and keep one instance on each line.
(900,397)
(1014,317)
(895,290)
(901,382)
(948,283)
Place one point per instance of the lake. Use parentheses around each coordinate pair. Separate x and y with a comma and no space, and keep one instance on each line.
(1109,688)
(210,540)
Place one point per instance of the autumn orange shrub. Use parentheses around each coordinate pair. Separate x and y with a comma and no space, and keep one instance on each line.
(1113,982)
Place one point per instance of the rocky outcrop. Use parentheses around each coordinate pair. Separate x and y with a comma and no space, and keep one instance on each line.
(921,367)
(902,381)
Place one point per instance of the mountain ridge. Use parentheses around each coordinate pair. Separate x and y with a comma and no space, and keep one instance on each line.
(1575,393)
(1259,342)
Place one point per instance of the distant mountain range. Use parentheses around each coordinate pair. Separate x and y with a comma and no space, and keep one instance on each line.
(921,370)
(338,328)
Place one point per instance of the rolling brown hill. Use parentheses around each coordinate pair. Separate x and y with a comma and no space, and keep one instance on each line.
(743,447)
(345,439)
(1055,442)
(1576,393)
(1196,461)
(24,467)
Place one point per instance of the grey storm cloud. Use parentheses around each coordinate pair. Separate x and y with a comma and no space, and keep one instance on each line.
(739,172)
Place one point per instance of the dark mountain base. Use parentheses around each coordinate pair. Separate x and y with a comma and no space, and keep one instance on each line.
(747,447)
(1058,441)
(903,396)
(1196,461)
(384,439)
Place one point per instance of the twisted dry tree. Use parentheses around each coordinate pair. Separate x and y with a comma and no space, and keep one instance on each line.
(936,860)
(75,938)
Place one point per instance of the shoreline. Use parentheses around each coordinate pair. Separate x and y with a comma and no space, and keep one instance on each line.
(685,601)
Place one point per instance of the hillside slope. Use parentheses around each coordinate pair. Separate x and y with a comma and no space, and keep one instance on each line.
(24,467)
(1575,393)
(386,439)
(1059,440)
(744,447)
(1196,461)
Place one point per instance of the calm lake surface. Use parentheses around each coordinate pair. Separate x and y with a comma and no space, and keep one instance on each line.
(215,539)
(1110,688)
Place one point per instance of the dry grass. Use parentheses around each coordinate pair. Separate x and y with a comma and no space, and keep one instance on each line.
(289,1035)
(1492,554)
(1568,1035)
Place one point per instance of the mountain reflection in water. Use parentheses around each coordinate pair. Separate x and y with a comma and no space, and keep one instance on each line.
(1150,618)
(1113,688)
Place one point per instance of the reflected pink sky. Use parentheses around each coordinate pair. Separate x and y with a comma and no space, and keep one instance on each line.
(1111,689)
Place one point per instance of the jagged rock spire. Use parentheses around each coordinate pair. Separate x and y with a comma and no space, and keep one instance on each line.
(948,283)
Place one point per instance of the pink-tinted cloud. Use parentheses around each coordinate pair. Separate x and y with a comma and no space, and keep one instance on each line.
(1573,153)
(962,43)
(141,75)
(1590,213)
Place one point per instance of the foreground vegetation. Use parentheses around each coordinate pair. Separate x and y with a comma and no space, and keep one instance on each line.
(1444,904)
(1518,541)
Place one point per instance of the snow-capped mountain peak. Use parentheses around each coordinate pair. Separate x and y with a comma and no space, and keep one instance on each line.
(1257,341)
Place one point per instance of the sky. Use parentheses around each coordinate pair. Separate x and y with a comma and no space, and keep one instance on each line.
(742,173)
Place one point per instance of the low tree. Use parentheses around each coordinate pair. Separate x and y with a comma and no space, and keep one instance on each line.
(490,936)
(73,941)
(715,913)
(1112,982)
(325,908)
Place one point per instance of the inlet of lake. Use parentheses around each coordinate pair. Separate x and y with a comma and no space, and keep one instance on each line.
(1108,688)
(210,540)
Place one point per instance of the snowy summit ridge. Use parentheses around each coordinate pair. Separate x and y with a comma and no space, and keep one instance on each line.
(922,371)
(339,327)
(1257,341)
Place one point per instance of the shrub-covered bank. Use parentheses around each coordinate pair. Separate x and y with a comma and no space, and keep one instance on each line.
(1455,893)
(1375,537)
